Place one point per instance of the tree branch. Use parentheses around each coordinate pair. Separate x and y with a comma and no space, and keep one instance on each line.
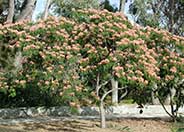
(164,107)
(124,94)
(98,87)
(97,83)
(108,92)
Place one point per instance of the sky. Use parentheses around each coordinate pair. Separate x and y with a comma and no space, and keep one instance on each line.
(41,3)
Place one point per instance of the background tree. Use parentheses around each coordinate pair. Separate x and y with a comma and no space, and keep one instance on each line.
(10,11)
(64,7)
(166,14)
(122,5)
(46,10)
(106,5)
(3,7)
(27,10)
(16,10)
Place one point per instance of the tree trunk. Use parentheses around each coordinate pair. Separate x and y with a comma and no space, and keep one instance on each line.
(155,100)
(97,84)
(167,100)
(27,12)
(10,11)
(46,11)
(102,115)
(170,96)
(171,16)
(114,84)
(102,110)
(122,6)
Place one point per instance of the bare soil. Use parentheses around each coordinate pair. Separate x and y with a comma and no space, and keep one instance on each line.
(125,125)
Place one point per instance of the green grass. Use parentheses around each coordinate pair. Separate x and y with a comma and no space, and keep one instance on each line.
(178,127)
(127,101)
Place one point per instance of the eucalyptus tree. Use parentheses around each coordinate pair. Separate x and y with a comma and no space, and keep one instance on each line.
(166,14)
(16,10)
(65,7)
(107,5)
(46,10)
(122,5)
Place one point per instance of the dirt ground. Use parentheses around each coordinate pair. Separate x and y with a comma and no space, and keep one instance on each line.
(125,125)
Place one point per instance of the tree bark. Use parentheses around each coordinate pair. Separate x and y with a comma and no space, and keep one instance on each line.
(10,11)
(167,100)
(27,12)
(98,85)
(46,11)
(155,100)
(114,84)
(122,6)
(171,16)
(102,109)
(102,115)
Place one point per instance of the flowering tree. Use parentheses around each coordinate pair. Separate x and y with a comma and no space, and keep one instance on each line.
(49,63)
(64,60)
(171,65)
(101,31)
(132,55)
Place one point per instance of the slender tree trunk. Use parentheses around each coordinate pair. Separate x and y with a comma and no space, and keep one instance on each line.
(122,6)
(27,12)
(102,115)
(102,109)
(170,96)
(10,11)
(167,100)
(171,16)
(46,11)
(114,84)
(156,8)
(155,100)
(97,84)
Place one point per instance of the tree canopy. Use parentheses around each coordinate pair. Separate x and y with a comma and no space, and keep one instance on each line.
(64,57)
